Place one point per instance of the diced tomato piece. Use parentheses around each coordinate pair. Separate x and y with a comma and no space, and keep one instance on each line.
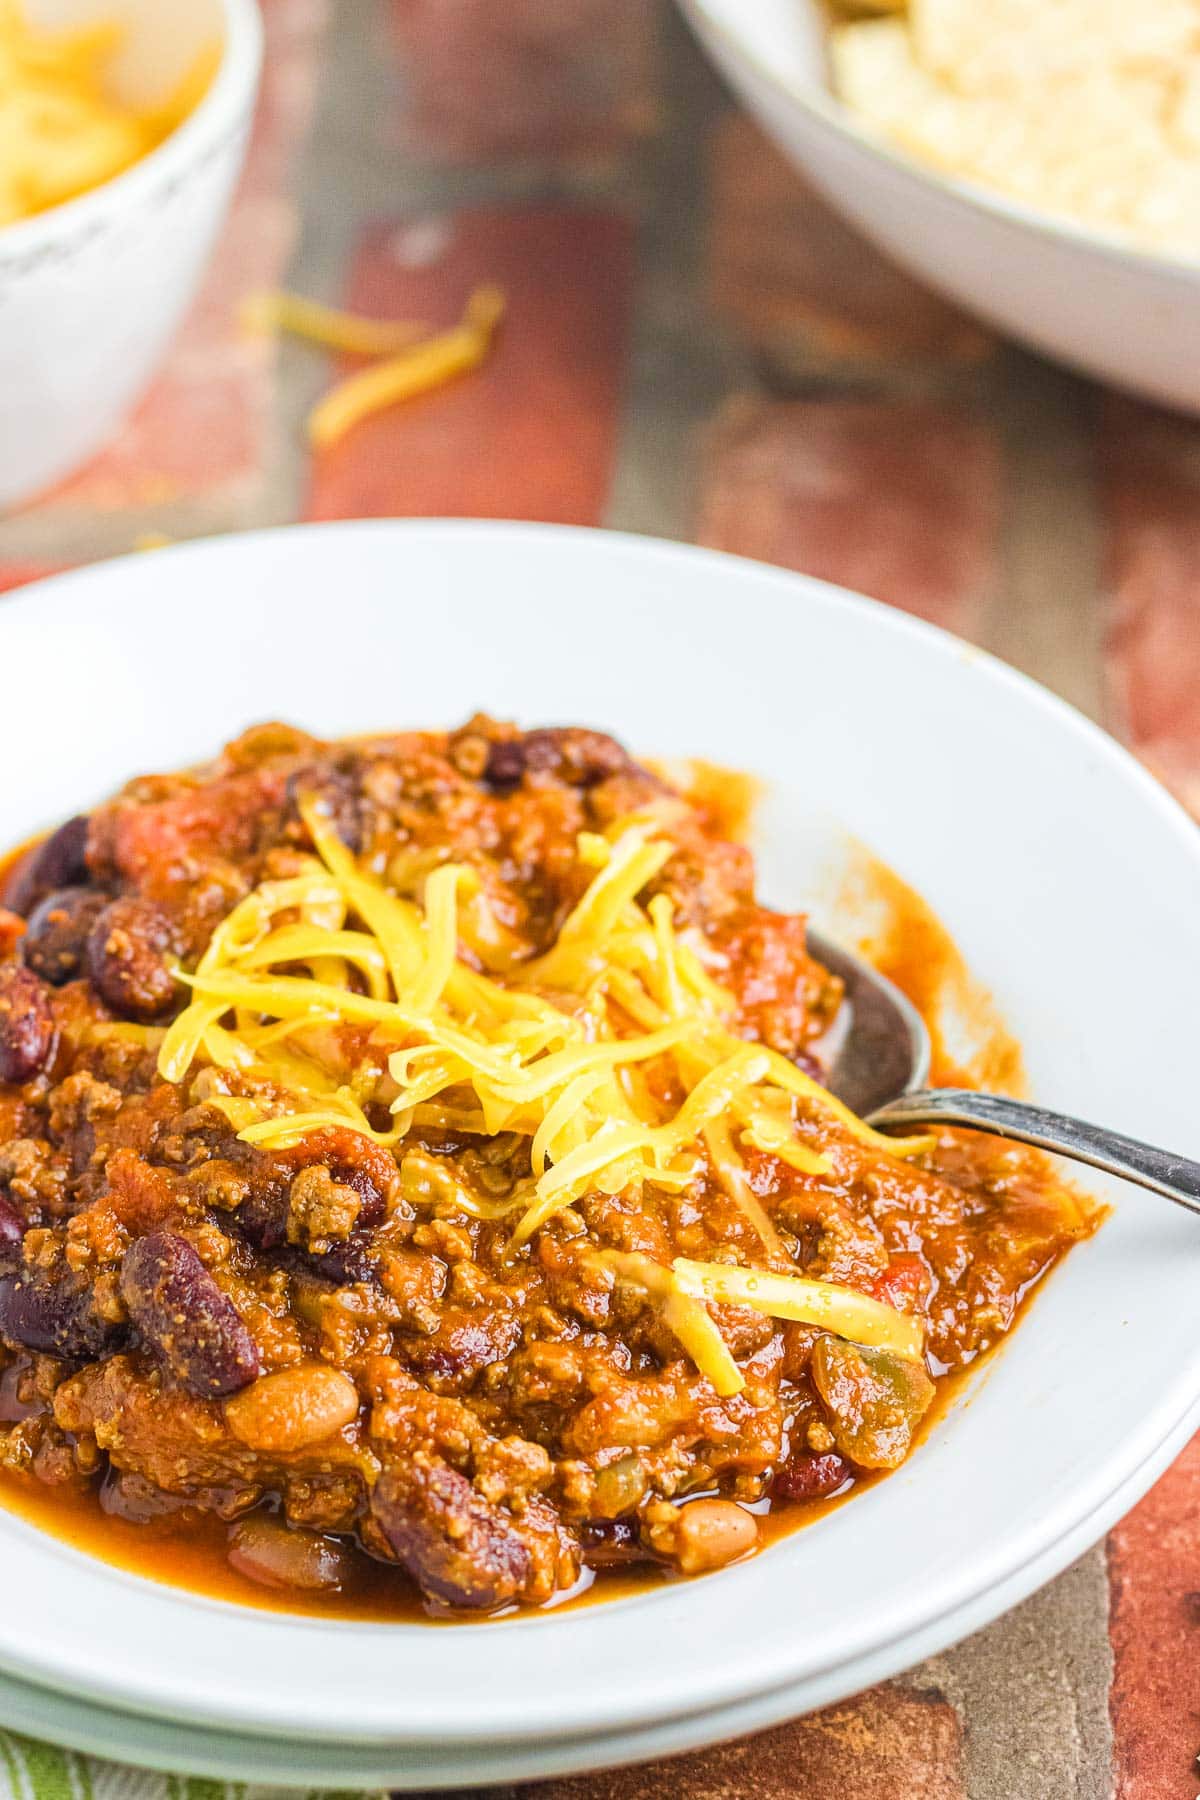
(156,841)
(12,927)
(903,1283)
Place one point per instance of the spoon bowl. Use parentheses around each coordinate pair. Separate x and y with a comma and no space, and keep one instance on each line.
(879,1047)
(879,1057)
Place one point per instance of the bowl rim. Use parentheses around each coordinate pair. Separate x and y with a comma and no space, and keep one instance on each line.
(830,113)
(1045,1545)
(229,95)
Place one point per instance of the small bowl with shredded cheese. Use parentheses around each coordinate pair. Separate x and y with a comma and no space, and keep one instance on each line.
(1038,161)
(123,125)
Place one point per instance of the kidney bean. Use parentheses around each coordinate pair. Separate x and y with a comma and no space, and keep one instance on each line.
(183,1316)
(59,861)
(350,1262)
(579,757)
(811,1477)
(12,1232)
(612,1544)
(292,1408)
(59,927)
(262,1217)
(127,958)
(505,764)
(26,1024)
(263,1221)
(124,1494)
(285,1556)
(453,1543)
(52,1311)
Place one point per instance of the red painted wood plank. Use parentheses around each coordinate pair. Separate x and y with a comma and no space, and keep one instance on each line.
(899,500)
(480,81)
(1154,1573)
(888,1744)
(532,434)
(1150,484)
(800,284)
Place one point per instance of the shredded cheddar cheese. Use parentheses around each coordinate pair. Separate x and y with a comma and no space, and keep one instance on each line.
(406,360)
(842,1310)
(347,333)
(612,1054)
(62,130)
(426,365)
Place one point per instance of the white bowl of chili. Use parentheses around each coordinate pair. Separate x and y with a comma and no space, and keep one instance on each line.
(93,288)
(677,651)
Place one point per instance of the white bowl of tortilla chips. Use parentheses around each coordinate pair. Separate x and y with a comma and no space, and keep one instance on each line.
(123,125)
(1036,160)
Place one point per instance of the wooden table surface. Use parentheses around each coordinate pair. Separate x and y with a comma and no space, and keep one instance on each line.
(695,348)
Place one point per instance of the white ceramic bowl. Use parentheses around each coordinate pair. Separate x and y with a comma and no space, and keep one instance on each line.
(1128,317)
(1040,843)
(92,291)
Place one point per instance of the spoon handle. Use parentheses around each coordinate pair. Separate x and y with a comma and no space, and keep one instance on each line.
(1176,1177)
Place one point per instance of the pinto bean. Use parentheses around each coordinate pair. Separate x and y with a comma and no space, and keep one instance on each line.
(183,1316)
(285,1556)
(127,958)
(26,1024)
(711,1533)
(52,1311)
(59,861)
(455,1545)
(59,928)
(292,1408)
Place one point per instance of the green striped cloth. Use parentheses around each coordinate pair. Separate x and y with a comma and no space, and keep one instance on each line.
(32,1771)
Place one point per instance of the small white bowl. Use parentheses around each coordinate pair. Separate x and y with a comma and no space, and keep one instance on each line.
(91,291)
(1130,317)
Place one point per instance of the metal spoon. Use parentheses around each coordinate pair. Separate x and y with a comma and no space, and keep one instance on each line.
(879,1064)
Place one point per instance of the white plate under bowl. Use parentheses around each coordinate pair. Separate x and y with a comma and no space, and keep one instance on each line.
(230,1756)
(1044,847)
(1127,316)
